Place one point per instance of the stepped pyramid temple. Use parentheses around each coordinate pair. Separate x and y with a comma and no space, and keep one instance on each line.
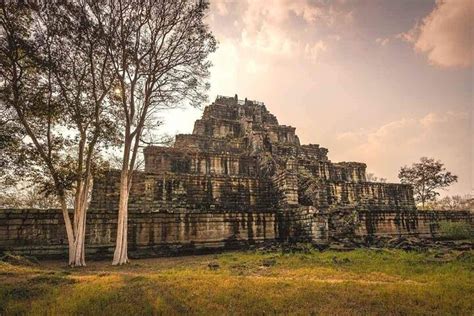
(239,179)
(240,159)
(243,177)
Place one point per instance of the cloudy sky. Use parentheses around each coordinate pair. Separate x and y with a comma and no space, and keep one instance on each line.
(382,82)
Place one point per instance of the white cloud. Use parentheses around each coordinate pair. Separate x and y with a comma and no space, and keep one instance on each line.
(445,35)
(282,28)
(313,52)
(382,41)
(269,40)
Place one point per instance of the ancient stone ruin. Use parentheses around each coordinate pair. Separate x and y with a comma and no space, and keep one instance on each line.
(239,179)
(239,158)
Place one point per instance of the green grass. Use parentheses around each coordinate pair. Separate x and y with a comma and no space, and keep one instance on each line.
(456,230)
(360,282)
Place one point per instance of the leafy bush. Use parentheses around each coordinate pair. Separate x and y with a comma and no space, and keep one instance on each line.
(456,230)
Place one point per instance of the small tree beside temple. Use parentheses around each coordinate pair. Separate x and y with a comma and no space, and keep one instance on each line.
(426,177)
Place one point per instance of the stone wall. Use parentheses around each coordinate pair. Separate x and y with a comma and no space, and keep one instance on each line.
(41,232)
(167,159)
(153,233)
(185,192)
(205,143)
(370,196)
(422,224)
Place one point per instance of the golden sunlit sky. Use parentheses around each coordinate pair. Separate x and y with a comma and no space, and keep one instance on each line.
(381,82)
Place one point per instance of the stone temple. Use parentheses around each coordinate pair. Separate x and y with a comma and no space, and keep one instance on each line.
(239,158)
(239,179)
(241,176)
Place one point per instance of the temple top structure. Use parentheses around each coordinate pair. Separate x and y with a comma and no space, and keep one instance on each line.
(241,141)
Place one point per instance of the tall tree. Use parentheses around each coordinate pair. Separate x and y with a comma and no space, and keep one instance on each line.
(55,79)
(427,176)
(159,50)
(83,76)
(31,107)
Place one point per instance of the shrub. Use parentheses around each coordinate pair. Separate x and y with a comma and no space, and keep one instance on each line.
(456,230)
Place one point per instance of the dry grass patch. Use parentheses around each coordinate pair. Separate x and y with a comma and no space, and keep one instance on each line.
(360,282)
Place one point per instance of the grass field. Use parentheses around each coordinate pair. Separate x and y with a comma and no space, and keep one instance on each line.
(360,282)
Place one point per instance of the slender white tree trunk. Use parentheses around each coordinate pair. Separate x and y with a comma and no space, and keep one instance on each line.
(69,230)
(121,250)
(76,231)
(80,236)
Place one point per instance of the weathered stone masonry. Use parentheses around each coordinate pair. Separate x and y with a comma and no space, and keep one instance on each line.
(241,178)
